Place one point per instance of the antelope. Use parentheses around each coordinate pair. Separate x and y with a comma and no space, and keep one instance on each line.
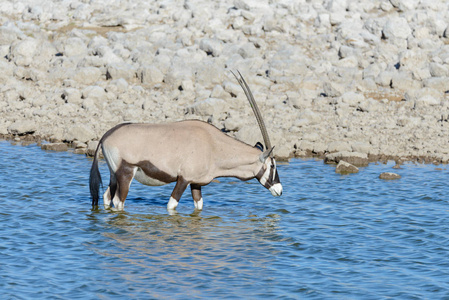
(189,152)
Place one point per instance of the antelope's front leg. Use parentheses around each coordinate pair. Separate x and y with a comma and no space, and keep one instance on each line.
(197,197)
(180,187)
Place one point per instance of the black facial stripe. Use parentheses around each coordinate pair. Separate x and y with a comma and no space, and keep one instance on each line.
(270,177)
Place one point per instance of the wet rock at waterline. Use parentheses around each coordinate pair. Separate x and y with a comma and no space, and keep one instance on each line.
(346,168)
(354,158)
(389,176)
(55,147)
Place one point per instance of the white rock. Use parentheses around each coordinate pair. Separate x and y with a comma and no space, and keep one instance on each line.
(405,5)
(150,75)
(305,145)
(208,107)
(438,70)
(404,81)
(123,70)
(361,147)
(437,83)
(428,100)
(178,72)
(338,146)
(234,123)
(87,75)
(311,117)
(333,89)
(209,74)
(23,127)
(23,52)
(212,47)
(74,46)
(352,98)
(72,95)
(81,133)
(94,92)
(121,85)
(396,28)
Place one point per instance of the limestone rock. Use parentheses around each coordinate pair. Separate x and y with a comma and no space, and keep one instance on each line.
(396,28)
(123,70)
(338,146)
(354,158)
(212,47)
(23,127)
(92,147)
(87,75)
(208,107)
(352,98)
(389,176)
(346,168)
(150,75)
(55,147)
(22,52)
(81,133)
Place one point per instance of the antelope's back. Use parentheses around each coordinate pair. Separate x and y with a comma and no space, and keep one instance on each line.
(168,145)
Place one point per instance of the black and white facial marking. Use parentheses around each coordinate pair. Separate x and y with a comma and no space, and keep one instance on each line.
(268,176)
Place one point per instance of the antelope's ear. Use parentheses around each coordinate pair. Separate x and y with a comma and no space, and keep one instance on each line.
(259,146)
(265,154)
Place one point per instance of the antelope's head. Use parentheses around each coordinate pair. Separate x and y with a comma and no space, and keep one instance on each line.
(268,175)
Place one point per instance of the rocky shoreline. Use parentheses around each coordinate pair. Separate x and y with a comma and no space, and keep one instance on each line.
(341,80)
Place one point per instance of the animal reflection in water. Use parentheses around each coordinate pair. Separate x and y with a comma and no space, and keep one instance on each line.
(188,152)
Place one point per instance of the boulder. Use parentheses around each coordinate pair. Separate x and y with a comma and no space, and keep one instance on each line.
(208,107)
(122,70)
(72,95)
(87,75)
(150,75)
(22,127)
(74,46)
(352,98)
(81,133)
(389,176)
(92,147)
(338,146)
(346,168)
(55,147)
(212,46)
(94,92)
(22,53)
(355,158)
(396,28)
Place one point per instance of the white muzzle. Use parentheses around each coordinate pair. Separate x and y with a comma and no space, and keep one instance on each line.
(276,189)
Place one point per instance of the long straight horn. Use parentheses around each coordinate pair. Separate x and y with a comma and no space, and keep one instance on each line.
(255,108)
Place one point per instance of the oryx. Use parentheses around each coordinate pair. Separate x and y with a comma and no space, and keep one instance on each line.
(188,152)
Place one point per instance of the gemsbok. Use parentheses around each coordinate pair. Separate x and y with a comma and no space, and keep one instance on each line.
(189,152)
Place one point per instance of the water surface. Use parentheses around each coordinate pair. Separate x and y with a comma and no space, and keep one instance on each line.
(328,237)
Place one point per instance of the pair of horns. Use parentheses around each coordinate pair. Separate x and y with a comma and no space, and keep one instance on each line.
(256,110)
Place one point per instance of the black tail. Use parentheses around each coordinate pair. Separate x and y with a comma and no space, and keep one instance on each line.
(95,179)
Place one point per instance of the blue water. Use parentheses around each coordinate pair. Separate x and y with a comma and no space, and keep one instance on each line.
(328,237)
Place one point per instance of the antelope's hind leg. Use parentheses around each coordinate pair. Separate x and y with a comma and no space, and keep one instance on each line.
(197,197)
(107,198)
(124,176)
